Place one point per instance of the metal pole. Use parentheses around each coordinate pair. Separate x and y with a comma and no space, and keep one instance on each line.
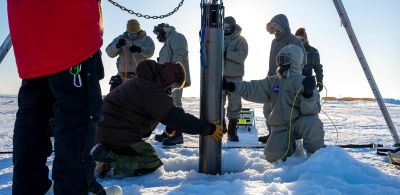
(212,44)
(357,48)
(5,47)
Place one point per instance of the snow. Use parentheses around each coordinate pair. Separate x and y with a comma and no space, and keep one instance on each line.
(331,170)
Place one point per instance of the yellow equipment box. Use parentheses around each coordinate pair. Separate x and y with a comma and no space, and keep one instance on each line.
(246,118)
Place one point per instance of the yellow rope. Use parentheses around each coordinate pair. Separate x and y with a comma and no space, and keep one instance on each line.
(291,117)
(326,93)
(326,97)
(337,132)
(290,124)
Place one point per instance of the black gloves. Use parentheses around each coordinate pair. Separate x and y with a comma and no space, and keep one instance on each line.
(227,85)
(320,86)
(121,42)
(135,49)
(309,85)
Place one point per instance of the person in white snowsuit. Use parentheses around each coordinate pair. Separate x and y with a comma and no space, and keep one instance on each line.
(235,53)
(174,50)
(132,47)
(295,105)
(279,27)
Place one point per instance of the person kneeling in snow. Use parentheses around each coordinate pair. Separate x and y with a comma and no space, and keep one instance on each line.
(132,111)
(293,116)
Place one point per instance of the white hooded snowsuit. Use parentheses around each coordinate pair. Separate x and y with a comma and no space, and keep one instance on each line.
(236,49)
(282,38)
(127,61)
(175,49)
(292,116)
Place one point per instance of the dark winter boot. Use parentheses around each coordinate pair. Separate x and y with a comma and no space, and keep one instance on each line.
(161,137)
(263,139)
(99,153)
(232,134)
(176,139)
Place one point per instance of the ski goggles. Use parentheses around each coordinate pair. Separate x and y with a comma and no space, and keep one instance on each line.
(283,60)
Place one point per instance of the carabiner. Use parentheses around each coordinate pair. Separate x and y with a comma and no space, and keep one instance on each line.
(79,84)
(75,72)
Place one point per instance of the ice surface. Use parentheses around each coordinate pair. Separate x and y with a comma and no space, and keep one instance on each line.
(331,170)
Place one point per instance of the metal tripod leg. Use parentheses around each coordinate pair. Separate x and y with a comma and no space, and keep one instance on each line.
(5,47)
(360,55)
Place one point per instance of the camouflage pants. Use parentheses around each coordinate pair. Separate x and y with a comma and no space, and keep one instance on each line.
(146,161)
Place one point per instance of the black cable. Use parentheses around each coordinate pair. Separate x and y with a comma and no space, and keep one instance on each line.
(371,145)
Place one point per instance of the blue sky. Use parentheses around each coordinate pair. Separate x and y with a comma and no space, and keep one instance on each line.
(375,24)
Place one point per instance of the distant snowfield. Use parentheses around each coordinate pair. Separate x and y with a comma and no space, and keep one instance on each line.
(331,170)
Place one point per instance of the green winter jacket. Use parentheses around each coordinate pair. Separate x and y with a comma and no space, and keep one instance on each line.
(127,61)
(236,49)
(175,49)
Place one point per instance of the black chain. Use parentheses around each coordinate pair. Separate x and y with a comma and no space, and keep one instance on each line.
(145,15)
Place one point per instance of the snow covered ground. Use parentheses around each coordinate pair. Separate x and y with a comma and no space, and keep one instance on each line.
(331,170)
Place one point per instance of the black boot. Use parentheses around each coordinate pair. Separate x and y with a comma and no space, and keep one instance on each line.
(176,139)
(99,153)
(232,134)
(161,137)
(263,139)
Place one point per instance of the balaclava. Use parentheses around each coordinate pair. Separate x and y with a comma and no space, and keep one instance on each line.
(160,32)
(229,25)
